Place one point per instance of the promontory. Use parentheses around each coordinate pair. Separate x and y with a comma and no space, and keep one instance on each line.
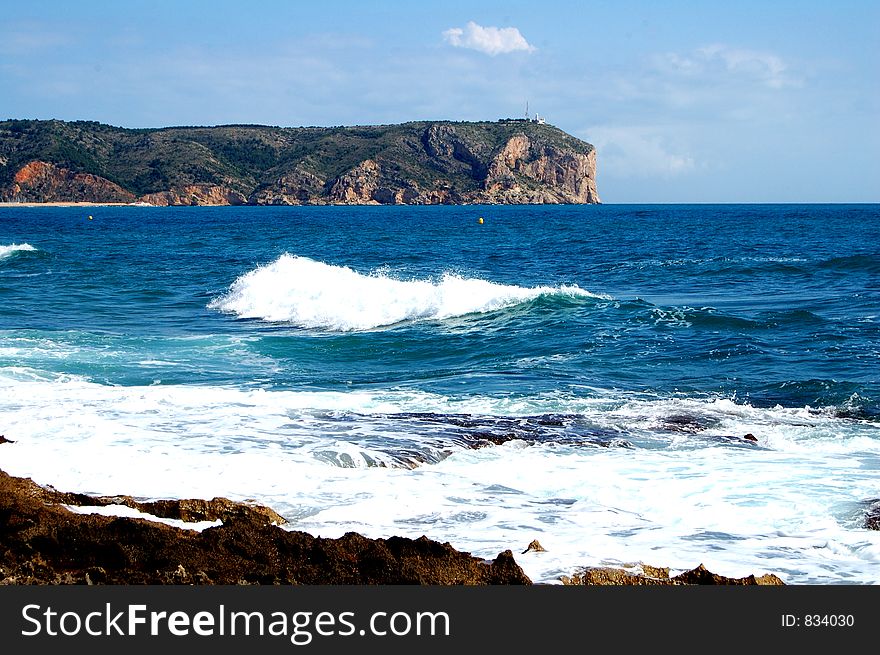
(510,161)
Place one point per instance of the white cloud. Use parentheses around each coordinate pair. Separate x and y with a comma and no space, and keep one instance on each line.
(716,59)
(491,40)
(636,151)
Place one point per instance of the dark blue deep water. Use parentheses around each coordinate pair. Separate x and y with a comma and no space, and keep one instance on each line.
(771,303)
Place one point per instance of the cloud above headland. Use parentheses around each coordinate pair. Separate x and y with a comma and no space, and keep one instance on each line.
(764,67)
(489,40)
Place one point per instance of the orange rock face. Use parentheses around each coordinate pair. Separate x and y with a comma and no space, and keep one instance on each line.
(38,181)
(195,194)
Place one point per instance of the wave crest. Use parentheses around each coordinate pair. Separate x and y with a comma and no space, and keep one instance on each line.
(15,248)
(315,295)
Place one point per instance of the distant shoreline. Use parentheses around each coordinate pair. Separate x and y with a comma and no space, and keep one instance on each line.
(75,204)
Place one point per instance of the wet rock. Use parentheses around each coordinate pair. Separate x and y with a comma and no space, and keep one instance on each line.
(650,575)
(5,440)
(872,515)
(534,546)
(750,437)
(701,575)
(41,542)
(686,423)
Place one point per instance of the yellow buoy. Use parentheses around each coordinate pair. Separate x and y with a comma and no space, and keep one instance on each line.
(480,220)
(90,218)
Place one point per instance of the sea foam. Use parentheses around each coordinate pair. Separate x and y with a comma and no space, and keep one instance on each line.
(315,295)
(790,504)
(14,248)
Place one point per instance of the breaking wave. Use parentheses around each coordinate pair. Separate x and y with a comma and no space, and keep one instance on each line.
(315,295)
(14,249)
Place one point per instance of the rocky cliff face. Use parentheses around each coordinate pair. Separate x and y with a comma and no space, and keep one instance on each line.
(528,173)
(195,194)
(39,181)
(505,162)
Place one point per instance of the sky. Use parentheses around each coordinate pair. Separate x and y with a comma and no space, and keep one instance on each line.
(685,101)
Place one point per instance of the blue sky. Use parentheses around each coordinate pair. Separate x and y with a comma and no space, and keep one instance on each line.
(734,101)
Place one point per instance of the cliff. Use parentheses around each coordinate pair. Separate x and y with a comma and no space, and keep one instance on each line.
(503,162)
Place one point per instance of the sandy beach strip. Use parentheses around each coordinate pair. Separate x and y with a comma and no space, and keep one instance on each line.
(75,204)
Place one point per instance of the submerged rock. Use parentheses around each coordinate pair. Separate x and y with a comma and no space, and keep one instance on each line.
(872,515)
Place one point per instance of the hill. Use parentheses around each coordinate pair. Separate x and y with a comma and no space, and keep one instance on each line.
(439,162)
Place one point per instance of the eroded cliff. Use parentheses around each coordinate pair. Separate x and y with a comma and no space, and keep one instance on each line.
(503,162)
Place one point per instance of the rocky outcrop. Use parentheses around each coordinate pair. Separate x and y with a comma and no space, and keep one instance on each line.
(42,542)
(523,174)
(357,186)
(872,515)
(39,181)
(299,187)
(508,161)
(652,575)
(195,194)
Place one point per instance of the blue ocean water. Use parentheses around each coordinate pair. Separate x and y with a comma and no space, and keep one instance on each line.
(584,375)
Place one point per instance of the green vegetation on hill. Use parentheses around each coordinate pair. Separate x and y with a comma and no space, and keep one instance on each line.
(246,158)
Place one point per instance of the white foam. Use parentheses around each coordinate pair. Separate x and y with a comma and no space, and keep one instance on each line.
(125,511)
(6,251)
(788,505)
(316,295)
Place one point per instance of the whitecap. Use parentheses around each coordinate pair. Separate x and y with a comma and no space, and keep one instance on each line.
(316,295)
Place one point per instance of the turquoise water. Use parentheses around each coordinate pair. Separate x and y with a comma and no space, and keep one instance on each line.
(582,375)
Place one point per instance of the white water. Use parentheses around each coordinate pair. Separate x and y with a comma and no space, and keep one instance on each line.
(789,505)
(7,251)
(315,295)
(129,512)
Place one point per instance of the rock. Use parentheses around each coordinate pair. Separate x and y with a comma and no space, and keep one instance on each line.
(299,187)
(650,575)
(750,437)
(534,546)
(5,440)
(524,173)
(40,181)
(41,542)
(357,186)
(872,515)
(195,194)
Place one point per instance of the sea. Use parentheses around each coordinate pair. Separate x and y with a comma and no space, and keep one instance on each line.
(661,384)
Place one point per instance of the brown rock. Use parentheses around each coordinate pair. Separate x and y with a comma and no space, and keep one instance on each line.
(5,440)
(660,576)
(750,437)
(522,173)
(535,546)
(195,194)
(299,187)
(38,181)
(44,543)
(357,186)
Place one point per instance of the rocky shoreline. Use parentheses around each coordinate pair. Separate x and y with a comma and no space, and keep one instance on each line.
(43,541)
